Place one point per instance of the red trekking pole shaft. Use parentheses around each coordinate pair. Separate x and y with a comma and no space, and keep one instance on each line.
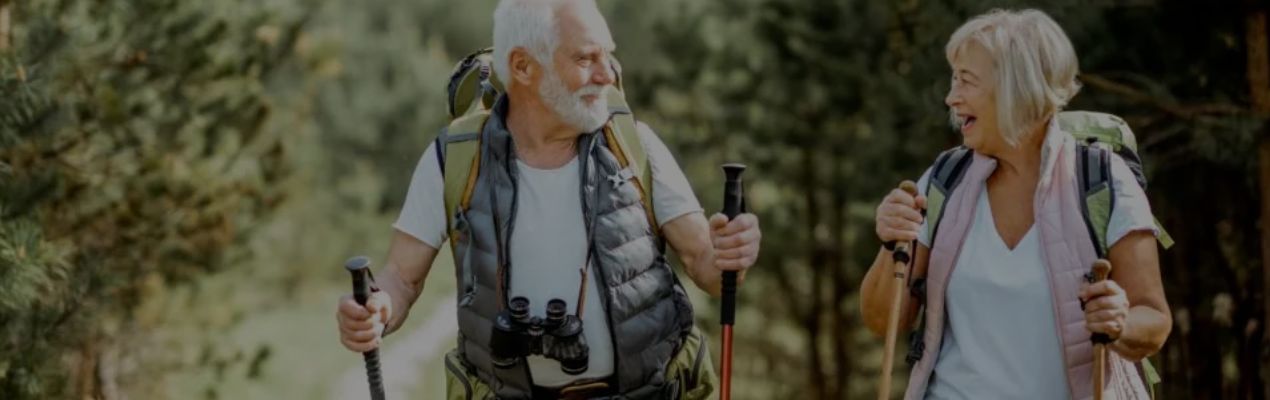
(733,201)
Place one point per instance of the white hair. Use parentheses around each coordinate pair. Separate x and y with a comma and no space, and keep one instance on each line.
(529,24)
(1035,62)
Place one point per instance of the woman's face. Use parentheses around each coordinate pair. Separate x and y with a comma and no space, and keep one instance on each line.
(972,99)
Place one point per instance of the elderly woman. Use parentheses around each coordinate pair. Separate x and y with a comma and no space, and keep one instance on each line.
(1008,314)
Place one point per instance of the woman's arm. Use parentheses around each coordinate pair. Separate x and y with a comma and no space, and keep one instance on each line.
(1131,307)
(878,290)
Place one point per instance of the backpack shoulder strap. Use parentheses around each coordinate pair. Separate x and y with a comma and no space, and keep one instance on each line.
(1097,191)
(944,177)
(1093,169)
(623,138)
(459,149)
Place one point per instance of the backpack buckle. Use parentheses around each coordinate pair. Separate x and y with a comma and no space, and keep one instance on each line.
(916,347)
(618,179)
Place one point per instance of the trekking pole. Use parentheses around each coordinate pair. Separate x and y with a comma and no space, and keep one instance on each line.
(901,260)
(359,267)
(1101,269)
(732,203)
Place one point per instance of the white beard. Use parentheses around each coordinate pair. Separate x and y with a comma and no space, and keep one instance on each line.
(570,106)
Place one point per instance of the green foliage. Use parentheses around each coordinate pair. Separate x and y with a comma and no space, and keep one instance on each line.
(133,154)
(178,169)
(388,101)
(832,103)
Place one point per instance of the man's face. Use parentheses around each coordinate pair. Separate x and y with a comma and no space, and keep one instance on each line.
(580,70)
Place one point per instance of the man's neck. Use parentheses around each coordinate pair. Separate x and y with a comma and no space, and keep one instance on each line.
(542,140)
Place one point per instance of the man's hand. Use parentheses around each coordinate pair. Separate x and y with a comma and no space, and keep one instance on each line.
(362,328)
(736,242)
(409,260)
(707,248)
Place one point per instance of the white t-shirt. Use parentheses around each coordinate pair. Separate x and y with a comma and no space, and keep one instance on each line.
(548,245)
(1000,340)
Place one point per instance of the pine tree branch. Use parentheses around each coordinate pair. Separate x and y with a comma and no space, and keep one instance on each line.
(1185,111)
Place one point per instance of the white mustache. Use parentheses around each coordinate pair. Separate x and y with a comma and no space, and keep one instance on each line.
(589,90)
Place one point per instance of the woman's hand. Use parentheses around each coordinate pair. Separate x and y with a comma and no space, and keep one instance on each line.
(1106,308)
(898,218)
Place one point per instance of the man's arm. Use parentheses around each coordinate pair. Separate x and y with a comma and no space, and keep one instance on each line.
(409,261)
(737,244)
(400,282)
(706,248)
(689,235)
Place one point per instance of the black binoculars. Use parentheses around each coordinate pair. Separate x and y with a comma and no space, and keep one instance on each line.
(558,337)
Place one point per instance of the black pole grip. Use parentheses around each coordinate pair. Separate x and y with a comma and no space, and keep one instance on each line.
(359,267)
(900,251)
(733,199)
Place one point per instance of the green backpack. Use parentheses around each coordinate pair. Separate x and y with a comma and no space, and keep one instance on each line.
(472,91)
(1098,135)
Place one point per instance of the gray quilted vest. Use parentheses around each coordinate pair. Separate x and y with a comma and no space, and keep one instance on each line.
(648,311)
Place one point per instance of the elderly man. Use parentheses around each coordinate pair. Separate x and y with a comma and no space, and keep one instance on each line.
(549,230)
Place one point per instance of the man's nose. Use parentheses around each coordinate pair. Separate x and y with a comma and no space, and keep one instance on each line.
(602,73)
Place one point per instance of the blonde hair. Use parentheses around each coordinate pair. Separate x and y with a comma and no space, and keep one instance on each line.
(1035,62)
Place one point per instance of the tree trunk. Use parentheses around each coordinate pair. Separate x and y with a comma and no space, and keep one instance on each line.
(1259,86)
(811,322)
(85,377)
(842,286)
(6,26)
(1265,264)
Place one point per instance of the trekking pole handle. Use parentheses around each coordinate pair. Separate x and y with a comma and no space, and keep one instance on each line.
(359,268)
(1101,270)
(733,200)
(900,270)
(902,249)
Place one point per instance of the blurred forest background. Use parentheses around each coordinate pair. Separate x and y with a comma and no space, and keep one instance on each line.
(180,181)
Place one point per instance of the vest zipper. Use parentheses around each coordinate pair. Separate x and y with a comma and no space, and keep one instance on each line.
(506,247)
(588,221)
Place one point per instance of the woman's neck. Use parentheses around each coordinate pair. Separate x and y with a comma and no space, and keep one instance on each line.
(1023,160)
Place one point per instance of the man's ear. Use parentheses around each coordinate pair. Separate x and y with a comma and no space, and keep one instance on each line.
(522,66)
